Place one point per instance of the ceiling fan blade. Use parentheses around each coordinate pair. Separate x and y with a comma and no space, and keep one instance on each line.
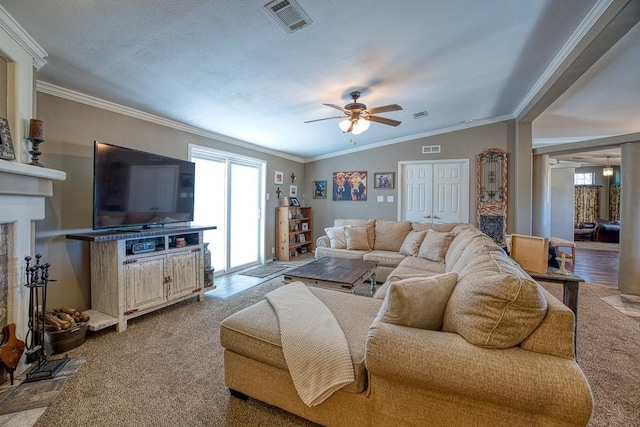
(326,118)
(384,109)
(383,120)
(337,107)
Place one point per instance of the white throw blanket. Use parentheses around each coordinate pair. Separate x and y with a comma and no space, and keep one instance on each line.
(314,345)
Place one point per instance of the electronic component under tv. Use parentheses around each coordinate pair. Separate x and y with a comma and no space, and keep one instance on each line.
(133,188)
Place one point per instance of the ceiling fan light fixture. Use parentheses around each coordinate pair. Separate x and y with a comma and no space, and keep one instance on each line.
(360,126)
(344,125)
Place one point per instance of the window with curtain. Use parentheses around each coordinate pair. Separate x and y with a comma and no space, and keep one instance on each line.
(583,178)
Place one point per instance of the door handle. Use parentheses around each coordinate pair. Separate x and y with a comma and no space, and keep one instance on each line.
(436,217)
(428,216)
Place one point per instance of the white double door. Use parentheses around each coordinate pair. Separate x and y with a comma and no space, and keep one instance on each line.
(435,191)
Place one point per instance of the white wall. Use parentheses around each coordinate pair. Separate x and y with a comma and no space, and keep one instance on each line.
(562,206)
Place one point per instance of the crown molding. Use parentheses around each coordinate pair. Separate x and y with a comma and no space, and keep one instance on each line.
(17,33)
(102,104)
(414,137)
(585,26)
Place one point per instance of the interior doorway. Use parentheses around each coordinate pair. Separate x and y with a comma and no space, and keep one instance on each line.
(229,193)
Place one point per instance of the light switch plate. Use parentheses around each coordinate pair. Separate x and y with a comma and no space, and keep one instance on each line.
(389,199)
(380,199)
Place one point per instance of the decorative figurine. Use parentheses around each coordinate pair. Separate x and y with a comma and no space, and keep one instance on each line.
(563,261)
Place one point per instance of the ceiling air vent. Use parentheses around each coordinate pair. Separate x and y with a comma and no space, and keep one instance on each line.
(430,149)
(420,114)
(288,14)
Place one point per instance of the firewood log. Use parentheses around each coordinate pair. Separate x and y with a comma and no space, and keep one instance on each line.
(54,321)
(66,317)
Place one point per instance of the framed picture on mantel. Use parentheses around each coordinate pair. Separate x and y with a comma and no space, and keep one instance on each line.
(6,144)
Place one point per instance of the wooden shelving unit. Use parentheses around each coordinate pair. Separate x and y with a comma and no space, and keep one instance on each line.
(293,232)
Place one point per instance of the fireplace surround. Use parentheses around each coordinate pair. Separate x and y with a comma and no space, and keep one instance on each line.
(23,192)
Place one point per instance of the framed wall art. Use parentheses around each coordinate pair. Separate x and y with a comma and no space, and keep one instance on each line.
(293,191)
(278,177)
(350,185)
(6,144)
(384,180)
(319,189)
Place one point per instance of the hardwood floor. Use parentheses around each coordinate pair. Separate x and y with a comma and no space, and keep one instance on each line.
(596,266)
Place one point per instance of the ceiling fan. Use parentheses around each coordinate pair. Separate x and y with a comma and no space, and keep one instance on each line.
(358,118)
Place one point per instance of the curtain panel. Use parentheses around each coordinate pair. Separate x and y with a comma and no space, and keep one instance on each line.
(614,202)
(586,203)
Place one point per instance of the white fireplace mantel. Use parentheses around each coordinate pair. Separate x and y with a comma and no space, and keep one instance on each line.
(23,190)
(25,179)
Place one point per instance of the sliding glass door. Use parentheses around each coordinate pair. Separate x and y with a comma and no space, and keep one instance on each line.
(228,194)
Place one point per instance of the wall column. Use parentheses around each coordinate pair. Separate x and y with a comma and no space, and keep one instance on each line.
(541,209)
(629,271)
(520,172)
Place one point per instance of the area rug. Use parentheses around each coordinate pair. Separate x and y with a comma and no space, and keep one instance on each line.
(263,271)
(600,246)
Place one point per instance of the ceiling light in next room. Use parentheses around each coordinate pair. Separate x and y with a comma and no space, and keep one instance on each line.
(608,170)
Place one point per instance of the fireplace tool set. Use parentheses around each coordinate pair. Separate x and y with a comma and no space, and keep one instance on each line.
(38,342)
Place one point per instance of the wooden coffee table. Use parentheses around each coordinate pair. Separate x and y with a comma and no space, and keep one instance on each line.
(338,274)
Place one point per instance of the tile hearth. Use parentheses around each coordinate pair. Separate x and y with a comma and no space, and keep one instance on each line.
(23,403)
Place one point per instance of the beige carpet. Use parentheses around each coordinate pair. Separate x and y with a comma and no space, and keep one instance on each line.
(167,370)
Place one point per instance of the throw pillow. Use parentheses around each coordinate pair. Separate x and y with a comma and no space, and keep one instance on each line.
(357,238)
(435,245)
(418,302)
(495,309)
(390,235)
(412,242)
(337,237)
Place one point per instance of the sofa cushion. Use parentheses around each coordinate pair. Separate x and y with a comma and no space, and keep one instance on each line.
(493,308)
(435,245)
(424,226)
(384,258)
(421,264)
(412,243)
(390,234)
(254,331)
(368,223)
(357,238)
(323,252)
(418,302)
(337,237)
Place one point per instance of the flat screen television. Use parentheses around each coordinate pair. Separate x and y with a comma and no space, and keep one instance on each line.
(136,189)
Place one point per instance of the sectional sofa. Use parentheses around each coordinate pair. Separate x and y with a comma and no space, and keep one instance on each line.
(457,335)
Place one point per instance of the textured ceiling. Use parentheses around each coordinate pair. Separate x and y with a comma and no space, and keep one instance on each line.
(228,68)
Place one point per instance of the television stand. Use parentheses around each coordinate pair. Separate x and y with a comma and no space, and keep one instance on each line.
(138,271)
